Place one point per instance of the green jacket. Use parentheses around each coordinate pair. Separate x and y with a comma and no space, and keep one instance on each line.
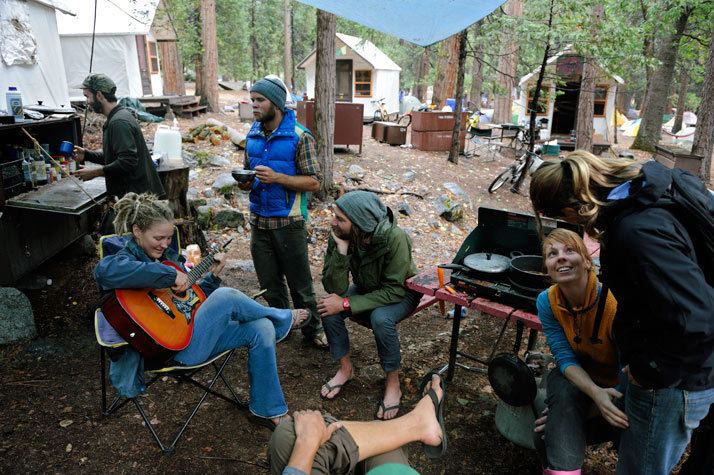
(379,271)
(125,156)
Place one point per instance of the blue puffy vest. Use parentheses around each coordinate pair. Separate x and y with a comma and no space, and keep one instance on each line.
(278,153)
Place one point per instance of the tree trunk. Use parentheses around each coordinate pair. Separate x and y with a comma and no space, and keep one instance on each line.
(421,74)
(210,54)
(198,66)
(171,68)
(681,99)
(288,42)
(507,63)
(477,68)
(623,100)
(175,183)
(704,134)
(446,71)
(325,86)
(659,86)
(454,150)
(253,42)
(586,98)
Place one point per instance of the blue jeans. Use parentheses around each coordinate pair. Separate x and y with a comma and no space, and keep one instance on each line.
(574,422)
(230,319)
(384,325)
(661,424)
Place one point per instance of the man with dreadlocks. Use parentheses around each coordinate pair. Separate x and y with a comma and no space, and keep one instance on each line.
(367,243)
(227,319)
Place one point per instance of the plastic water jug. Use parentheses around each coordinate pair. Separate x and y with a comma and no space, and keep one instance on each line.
(167,140)
(14,104)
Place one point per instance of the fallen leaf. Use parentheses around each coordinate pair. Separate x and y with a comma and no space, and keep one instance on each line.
(66,422)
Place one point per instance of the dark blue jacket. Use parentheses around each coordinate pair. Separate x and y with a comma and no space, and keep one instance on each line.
(278,153)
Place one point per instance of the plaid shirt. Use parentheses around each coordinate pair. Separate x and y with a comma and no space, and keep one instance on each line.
(305,163)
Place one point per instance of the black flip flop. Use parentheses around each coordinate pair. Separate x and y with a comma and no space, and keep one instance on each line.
(332,387)
(398,407)
(438,451)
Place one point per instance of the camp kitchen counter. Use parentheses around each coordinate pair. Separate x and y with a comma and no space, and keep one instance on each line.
(38,224)
(427,283)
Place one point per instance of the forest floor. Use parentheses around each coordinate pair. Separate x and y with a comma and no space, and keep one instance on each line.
(50,389)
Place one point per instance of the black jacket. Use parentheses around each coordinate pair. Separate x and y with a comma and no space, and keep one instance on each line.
(664,328)
(125,156)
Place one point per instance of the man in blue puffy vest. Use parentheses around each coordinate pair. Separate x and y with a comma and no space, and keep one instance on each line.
(282,153)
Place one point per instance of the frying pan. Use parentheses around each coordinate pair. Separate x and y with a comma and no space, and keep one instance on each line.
(485,262)
(512,380)
(526,272)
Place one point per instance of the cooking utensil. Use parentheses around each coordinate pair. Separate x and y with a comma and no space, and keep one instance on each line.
(527,272)
(512,380)
(487,262)
(442,304)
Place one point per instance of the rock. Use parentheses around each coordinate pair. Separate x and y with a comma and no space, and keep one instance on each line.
(16,319)
(197,202)
(434,223)
(192,175)
(241,265)
(355,172)
(189,159)
(224,183)
(205,213)
(448,208)
(392,186)
(215,202)
(209,193)
(405,209)
(458,192)
(218,161)
(192,193)
(409,176)
(229,218)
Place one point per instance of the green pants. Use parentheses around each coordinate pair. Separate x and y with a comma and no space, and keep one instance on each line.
(280,255)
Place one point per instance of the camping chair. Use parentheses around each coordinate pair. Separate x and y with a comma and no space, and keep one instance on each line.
(111,244)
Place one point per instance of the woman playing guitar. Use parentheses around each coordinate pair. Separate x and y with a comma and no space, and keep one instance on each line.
(227,319)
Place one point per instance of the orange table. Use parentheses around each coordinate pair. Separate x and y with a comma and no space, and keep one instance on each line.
(427,283)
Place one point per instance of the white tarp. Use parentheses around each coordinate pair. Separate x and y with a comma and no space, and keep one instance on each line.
(43,80)
(115,56)
(17,43)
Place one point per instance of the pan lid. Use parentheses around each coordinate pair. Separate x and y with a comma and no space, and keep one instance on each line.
(487,262)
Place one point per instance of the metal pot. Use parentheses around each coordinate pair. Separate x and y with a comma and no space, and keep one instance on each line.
(526,273)
(485,262)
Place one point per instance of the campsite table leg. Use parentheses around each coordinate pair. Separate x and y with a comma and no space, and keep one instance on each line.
(453,348)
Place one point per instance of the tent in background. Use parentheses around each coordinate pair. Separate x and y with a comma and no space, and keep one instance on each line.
(124,48)
(32,59)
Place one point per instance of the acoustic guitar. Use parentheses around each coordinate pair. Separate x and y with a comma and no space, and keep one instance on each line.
(158,322)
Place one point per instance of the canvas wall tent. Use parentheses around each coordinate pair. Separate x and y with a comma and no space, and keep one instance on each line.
(32,58)
(124,48)
(364,74)
(559,96)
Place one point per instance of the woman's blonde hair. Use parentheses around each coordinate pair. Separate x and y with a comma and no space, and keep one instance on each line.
(143,210)
(568,238)
(580,181)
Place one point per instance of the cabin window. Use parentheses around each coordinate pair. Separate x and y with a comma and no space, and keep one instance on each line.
(542,108)
(153,55)
(600,100)
(363,83)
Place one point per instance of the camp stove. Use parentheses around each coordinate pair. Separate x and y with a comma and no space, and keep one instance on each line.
(504,233)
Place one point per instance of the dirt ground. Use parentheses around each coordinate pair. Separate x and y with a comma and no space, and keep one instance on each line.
(50,392)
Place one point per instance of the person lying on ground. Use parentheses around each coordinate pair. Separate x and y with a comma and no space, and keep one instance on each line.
(227,319)
(317,444)
(577,315)
(367,243)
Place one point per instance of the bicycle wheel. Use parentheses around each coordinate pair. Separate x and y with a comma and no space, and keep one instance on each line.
(505,176)
(378,115)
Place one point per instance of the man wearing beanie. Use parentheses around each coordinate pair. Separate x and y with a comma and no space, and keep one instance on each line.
(282,153)
(367,243)
(126,160)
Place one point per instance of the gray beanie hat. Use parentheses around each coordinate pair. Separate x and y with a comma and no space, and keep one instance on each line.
(271,90)
(363,208)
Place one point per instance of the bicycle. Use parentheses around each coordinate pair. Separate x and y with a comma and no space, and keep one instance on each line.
(381,113)
(513,172)
(479,141)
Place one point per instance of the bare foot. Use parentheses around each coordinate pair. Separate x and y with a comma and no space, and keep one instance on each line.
(300,316)
(389,409)
(332,388)
(426,412)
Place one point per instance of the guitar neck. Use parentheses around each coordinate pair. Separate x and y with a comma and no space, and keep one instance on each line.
(200,269)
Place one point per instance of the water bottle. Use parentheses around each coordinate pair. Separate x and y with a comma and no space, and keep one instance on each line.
(26,171)
(14,103)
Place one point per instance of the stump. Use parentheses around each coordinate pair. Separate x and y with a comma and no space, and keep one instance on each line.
(175,181)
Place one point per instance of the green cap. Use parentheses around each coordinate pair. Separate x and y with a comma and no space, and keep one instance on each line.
(99,82)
